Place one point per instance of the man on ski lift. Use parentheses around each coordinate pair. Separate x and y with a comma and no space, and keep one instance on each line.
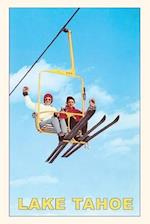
(50,117)
(74,119)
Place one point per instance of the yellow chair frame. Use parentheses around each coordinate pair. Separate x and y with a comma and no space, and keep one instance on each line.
(69,73)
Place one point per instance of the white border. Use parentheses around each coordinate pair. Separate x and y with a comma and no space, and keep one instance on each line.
(4,122)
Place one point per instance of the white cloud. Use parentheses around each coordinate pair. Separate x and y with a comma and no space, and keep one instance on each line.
(87,69)
(47,179)
(100,95)
(120,145)
(134,106)
(51,83)
(58,85)
(119,142)
(126,121)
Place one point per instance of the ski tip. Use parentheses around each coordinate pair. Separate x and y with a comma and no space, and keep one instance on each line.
(66,156)
(63,156)
(46,160)
(117,118)
(50,161)
(104,117)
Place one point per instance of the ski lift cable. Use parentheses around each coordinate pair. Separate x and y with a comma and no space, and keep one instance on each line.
(56,36)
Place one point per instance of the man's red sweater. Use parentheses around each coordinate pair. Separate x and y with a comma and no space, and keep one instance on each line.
(71,110)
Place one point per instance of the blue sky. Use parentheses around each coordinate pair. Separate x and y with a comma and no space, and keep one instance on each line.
(106,48)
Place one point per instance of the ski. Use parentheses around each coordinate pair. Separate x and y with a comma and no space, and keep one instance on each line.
(83,138)
(90,112)
(87,139)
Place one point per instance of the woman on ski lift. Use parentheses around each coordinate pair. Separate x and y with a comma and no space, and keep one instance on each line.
(47,118)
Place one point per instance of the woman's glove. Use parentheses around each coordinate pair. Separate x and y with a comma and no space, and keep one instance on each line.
(25,91)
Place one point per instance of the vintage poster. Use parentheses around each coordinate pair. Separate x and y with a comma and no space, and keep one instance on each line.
(74,132)
(102,177)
